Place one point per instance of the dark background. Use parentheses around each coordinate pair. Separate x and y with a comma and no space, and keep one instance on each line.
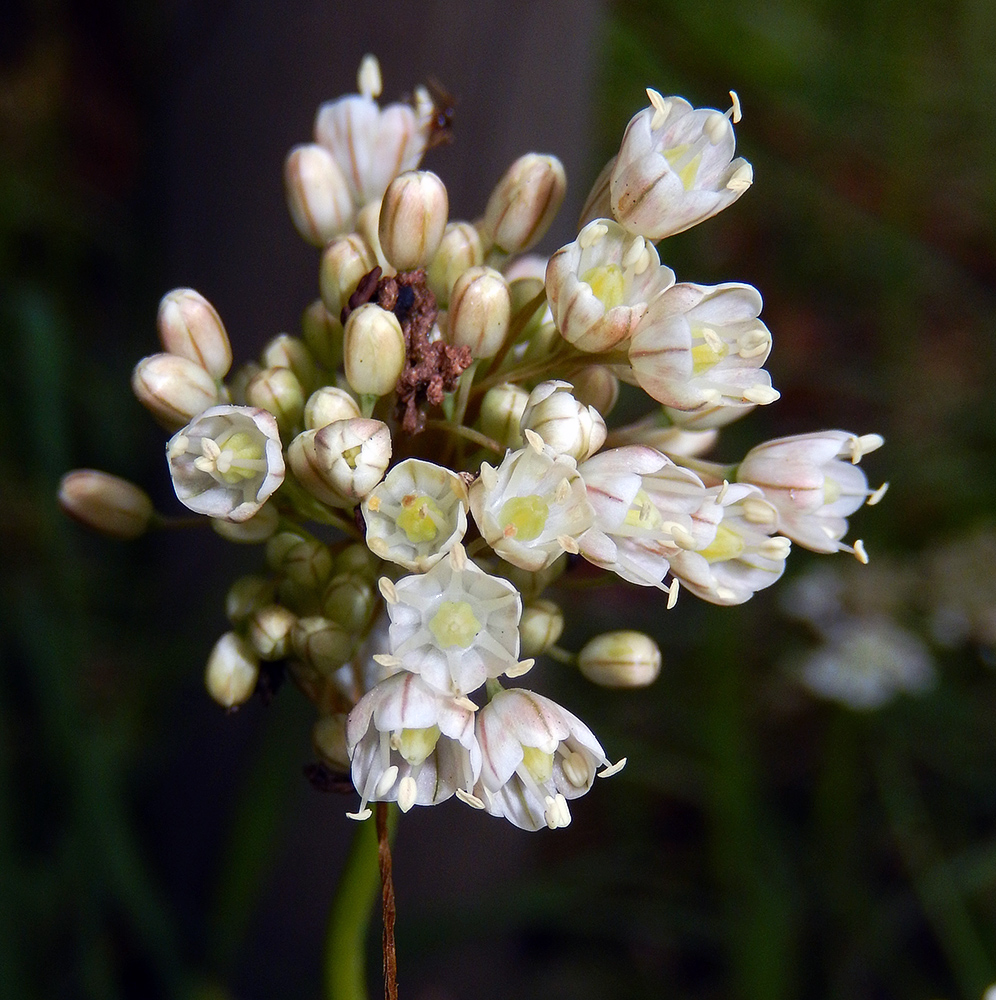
(761,843)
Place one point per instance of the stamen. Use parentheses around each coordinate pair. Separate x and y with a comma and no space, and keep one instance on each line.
(722,491)
(385,782)
(776,549)
(387,660)
(761,394)
(469,798)
(679,533)
(592,234)
(568,544)
(464,702)
(672,595)
(612,769)
(534,440)
(458,557)
(386,587)
(877,495)
(634,251)
(557,814)
(859,552)
(575,768)
(712,339)
(368,79)
(489,476)
(741,178)
(735,110)
(661,108)
(407,793)
(522,667)
(361,815)
(715,128)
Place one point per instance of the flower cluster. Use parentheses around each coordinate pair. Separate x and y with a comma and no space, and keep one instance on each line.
(436,447)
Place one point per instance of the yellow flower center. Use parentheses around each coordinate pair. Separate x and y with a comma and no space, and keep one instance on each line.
(710,352)
(643,514)
(685,166)
(608,284)
(524,518)
(726,545)
(454,624)
(418,518)
(831,490)
(416,744)
(538,764)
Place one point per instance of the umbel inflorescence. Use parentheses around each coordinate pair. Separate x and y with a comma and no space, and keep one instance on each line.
(436,447)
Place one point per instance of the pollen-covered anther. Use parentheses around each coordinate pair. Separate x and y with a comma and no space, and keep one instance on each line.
(877,495)
(754,343)
(741,178)
(859,552)
(761,394)
(563,491)
(758,511)
(387,660)
(864,445)
(661,108)
(736,111)
(522,667)
(407,793)
(464,702)
(568,544)
(386,587)
(722,491)
(681,535)
(556,813)
(776,548)
(591,235)
(715,128)
(368,78)
(672,593)
(361,815)
(386,780)
(458,558)
(533,440)
(575,767)
(470,799)
(612,769)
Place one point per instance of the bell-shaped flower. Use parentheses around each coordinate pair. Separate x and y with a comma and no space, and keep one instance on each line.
(454,625)
(814,483)
(227,462)
(372,145)
(567,426)
(675,167)
(416,515)
(700,346)
(642,500)
(733,551)
(599,286)
(535,756)
(533,507)
(411,744)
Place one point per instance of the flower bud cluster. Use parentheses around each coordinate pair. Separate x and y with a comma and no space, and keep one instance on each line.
(418,461)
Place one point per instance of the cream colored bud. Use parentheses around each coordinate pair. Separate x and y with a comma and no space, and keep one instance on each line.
(173,389)
(318,194)
(309,563)
(328,737)
(524,202)
(339,464)
(412,219)
(501,413)
(285,351)
(279,391)
(567,426)
(349,600)
(344,262)
(321,643)
(621,660)
(596,386)
(541,625)
(105,503)
(270,629)
(374,350)
(190,327)
(242,377)
(328,404)
(368,227)
(232,671)
(460,249)
(257,528)
(480,311)
(525,290)
(246,595)
(323,335)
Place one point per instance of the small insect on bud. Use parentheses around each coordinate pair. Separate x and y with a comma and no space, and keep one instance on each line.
(173,389)
(541,626)
(524,202)
(190,327)
(374,350)
(318,194)
(460,249)
(621,660)
(232,671)
(501,411)
(105,503)
(343,263)
(480,311)
(328,404)
(412,219)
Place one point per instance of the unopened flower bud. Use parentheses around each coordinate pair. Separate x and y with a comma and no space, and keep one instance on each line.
(480,311)
(374,350)
(567,426)
(460,249)
(105,503)
(344,262)
(246,595)
(524,202)
(255,529)
(190,327)
(621,660)
(240,379)
(270,630)
(596,386)
(501,413)
(525,289)
(342,462)
(323,334)
(358,559)
(279,391)
(541,625)
(367,226)
(232,671)
(318,195)
(412,219)
(328,737)
(309,563)
(321,643)
(173,389)
(328,404)
(285,351)
(278,546)
(349,601)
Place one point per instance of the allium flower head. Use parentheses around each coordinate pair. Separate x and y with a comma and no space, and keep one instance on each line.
(416,515)
(675,167)
(535,756)
(533,507)
(599,285)
(454,625)
(227,462)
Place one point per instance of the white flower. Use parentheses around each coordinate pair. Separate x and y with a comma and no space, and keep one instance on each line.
(416,515)
(454,625)
(227,462)
(567,426)
(699,346)
(813,481)
(532,507)
(409,743)
(675,167)
(599,286)
(535,756)
(641,501)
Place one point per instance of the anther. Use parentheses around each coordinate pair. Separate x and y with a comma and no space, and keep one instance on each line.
(877,495)
(612,769)
(469,798)
(736,111)
(386,588)
(859,552)
(672,593)
(360,816)
(407,793)
(592,234)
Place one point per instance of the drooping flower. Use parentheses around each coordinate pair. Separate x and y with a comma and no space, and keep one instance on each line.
(227,462)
